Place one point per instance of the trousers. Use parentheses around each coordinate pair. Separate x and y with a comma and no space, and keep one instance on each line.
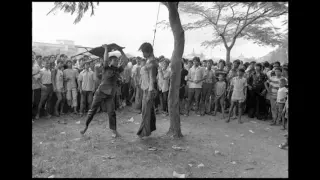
(110,107)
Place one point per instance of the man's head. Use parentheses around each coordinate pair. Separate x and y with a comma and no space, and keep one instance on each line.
(196,61)
(236,63)
(86,65)
(221,77)
(276,64)
(165,63)
(204,63)
(222,63)
(258,67)
(60,63)
(278,71)
(240,72)
(146,49)
(44,64)
(69,63)
(113,61)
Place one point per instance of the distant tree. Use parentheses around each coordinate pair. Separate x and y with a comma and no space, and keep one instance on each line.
(233,20)
(176,59)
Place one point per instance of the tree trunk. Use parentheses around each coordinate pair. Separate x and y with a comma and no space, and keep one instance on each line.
(228,55)
(176,59)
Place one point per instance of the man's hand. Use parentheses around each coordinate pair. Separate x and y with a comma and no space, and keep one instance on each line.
(105,46)
(80,90)
(54,89)
(250,87)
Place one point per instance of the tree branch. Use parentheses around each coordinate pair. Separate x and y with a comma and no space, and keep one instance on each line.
(225,27)
(246,24)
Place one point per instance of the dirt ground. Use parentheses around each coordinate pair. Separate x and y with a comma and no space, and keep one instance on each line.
(225,150)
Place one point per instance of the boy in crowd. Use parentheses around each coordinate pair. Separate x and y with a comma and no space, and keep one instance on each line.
(183,84)
(126,79)
(256,102)
(36,86)
(164,76)
(58,88)
(274,82)
(207,87)
(70,76)
(239,92)
(281,100)
(232,73)
(47,91)
(220,94)
(86,83)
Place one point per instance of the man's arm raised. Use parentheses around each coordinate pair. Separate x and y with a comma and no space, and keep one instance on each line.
(106,56)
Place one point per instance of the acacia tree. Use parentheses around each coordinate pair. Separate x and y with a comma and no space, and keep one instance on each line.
(233,20)
(179,40)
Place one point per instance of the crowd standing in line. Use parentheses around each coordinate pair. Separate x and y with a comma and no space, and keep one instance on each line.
(259,90)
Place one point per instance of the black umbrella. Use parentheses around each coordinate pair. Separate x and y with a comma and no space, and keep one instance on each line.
(99,51)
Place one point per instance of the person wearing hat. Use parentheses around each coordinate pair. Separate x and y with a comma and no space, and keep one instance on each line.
(107,89)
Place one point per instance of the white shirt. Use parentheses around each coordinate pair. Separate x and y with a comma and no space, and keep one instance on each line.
(282,93)
(195,74)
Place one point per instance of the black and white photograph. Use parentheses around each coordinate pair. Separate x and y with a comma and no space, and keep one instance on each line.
(160,89)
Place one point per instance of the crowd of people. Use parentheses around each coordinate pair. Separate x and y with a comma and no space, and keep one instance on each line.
(259,90)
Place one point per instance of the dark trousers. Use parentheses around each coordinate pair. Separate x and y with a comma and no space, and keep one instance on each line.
(36,93)
(256,104)
(158,100)
(125,92)
(164,97)
(148,123)
(193,94)
(86,100)
(205,97)
(109,103)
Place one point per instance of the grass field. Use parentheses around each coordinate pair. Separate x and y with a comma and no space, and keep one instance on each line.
(225,150)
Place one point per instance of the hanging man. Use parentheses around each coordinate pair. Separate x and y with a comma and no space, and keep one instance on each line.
(148,123)
(107,89)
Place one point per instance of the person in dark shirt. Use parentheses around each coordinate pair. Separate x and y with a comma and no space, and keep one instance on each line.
(256,101)
(183,83)
(107,89)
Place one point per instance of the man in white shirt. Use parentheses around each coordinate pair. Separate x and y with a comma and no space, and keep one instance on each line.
(47,90)
(86,81)
(195,79)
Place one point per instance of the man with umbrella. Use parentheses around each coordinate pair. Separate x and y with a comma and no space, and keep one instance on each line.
(107,89)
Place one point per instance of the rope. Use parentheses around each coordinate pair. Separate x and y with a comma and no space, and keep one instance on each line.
(155,30)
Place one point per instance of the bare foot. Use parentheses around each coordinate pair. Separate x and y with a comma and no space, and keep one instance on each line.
(84,130)
(115,134)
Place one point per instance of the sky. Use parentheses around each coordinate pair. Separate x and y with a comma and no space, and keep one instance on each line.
(129,25)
